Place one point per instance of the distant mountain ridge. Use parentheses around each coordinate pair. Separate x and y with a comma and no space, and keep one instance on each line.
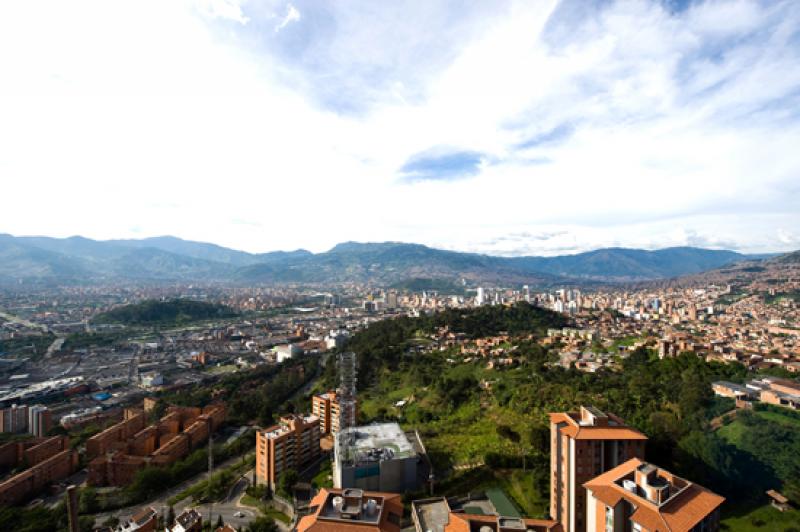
(167,259)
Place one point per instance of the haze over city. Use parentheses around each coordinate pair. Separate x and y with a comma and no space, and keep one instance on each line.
(509,128)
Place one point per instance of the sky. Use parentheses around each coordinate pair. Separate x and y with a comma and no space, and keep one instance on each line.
(539,127)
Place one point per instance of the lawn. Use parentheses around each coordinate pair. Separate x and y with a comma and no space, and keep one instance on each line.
(733,432)
(324,478)
(218,370)
(761,519)
(252,502)
(275,514)
(779,418)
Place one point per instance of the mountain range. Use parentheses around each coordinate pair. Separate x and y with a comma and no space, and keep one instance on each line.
(78,260)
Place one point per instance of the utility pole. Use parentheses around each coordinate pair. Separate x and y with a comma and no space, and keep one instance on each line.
(210,469)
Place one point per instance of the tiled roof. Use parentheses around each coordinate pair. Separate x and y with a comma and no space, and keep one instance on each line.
(680,513)
(589,432)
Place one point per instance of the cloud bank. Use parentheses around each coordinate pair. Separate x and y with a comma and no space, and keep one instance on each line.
(636,123)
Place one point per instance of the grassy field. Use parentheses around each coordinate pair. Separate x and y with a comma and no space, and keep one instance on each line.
(217,370)
(780,418)
(762,519)
(734,431)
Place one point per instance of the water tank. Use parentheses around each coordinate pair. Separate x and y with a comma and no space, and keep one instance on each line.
(372,507)
(486,528)
(337,503)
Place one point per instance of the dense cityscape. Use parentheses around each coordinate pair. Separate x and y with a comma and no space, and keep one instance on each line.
(400,266)
(150,407)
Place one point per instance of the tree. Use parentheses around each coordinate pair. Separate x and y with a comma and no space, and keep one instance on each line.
(87,503)
(262,524)
(286,482)
(170,516)
(220,522)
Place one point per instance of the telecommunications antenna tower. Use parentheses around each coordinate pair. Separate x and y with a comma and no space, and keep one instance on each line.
(347,402)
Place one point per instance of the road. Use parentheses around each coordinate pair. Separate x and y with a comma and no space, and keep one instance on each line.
(55,346)
(133,373)
(22,321)
(161,503)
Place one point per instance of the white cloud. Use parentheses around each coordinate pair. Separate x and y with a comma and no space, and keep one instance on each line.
(292,15)
(224,9)
(168,118)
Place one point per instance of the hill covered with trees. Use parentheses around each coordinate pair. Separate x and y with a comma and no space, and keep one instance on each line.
(174,311)
(486,425)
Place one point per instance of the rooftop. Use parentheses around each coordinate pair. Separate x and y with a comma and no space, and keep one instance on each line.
(343,510)
(381,441)
(593,424)
(660,500)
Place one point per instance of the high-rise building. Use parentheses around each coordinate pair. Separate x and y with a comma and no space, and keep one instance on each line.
(14,419)
(480,298)
(327,408)
(40,420)
(642,497)
(291,444)
(584,445)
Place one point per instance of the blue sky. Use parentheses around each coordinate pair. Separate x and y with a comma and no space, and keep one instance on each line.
(503,127)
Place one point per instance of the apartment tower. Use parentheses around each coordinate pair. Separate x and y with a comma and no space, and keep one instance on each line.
(584,445)
(291,444)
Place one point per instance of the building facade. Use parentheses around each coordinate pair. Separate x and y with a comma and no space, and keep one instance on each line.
(14,419)
(377,457)
(327,408)
(291,444)
(40,420)
(584,445)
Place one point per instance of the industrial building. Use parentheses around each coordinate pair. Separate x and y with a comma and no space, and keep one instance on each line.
(377,457)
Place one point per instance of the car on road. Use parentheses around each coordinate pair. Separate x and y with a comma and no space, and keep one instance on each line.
(239,515)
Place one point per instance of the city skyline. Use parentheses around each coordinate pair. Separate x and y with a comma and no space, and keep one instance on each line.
(503,128)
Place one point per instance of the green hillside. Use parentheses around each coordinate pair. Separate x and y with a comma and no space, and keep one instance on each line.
(175,311)
(487,427)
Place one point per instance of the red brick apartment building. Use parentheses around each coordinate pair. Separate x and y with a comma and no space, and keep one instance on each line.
(49,460)
(642,497)
(291,444)
(121,450)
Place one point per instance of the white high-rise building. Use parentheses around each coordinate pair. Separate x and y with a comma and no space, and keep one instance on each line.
(481,297)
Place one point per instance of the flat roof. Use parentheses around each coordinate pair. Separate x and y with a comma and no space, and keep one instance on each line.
(377,437)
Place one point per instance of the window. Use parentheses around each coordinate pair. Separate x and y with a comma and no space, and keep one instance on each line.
(609,519)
